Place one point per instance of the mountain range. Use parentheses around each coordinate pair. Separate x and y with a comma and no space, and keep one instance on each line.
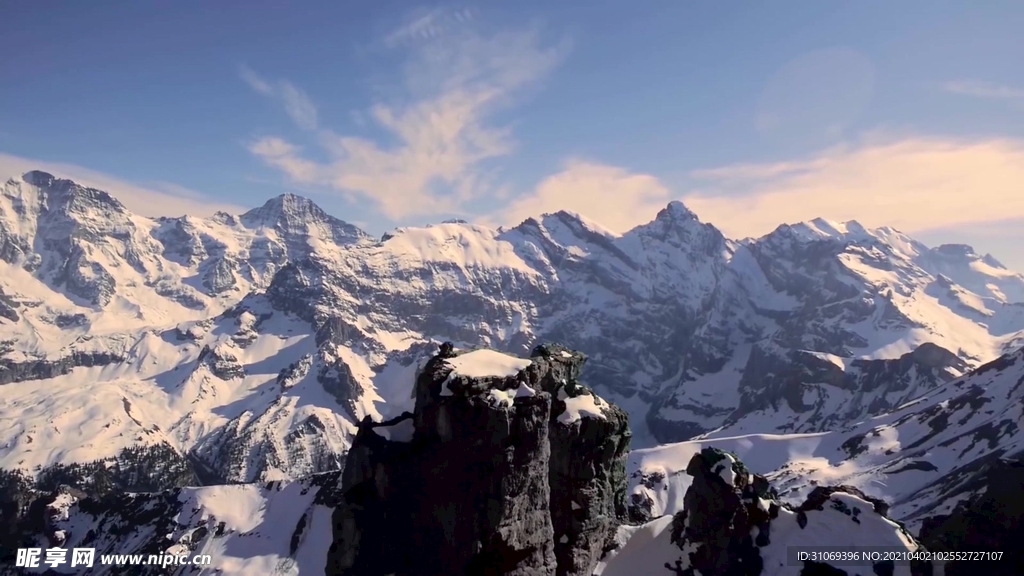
(144,354)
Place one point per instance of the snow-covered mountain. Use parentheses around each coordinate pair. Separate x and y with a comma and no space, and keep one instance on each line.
(923,458)
(147,353)
(505,465)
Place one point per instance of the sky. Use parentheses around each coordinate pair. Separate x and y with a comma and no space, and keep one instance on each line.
(907,114)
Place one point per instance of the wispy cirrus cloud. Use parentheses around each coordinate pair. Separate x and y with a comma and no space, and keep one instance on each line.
(296,103)
(440,122)
(428,25)
(987,90)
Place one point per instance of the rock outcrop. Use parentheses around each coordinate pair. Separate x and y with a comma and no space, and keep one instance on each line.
(733,524)
(507,466)
(43,368)
(731,515)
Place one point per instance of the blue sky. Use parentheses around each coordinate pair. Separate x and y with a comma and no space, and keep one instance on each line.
(906,113)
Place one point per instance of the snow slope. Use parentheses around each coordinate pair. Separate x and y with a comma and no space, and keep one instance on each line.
(649,548)
(920,457)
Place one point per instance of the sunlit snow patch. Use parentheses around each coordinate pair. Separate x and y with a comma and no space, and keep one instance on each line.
(483,364)
(646,550)
(725,471)
(584,405)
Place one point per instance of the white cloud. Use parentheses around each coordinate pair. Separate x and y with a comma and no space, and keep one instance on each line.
(428,25)
(454,78)
(296,103)
(612,196)
(154,199)
(914,184)
(981,89)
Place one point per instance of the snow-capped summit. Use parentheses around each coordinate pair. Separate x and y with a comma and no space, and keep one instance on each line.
(981,274)
(52,201)
(70,237)
(67,191)
(676,211)
(293,215)
(824,228)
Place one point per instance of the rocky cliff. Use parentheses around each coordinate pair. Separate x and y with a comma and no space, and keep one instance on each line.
(507,466)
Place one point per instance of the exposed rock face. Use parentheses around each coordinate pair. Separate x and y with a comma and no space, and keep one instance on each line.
(221,361)
(516,472)
(221,277)
(69,219)
(39,369)
(992,521)
(734,525)
(803,380)
(721,514)
(8,307)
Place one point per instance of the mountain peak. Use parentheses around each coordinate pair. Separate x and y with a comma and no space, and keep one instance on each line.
(70,194)
(956,250)
(580,222)
(965,252)
(993,262)
(823,228)
(295,214)
(676,211)
(290,203)
(286,208)
(833,228)
(39,179)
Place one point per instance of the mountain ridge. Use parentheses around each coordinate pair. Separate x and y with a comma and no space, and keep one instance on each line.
(252,345)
